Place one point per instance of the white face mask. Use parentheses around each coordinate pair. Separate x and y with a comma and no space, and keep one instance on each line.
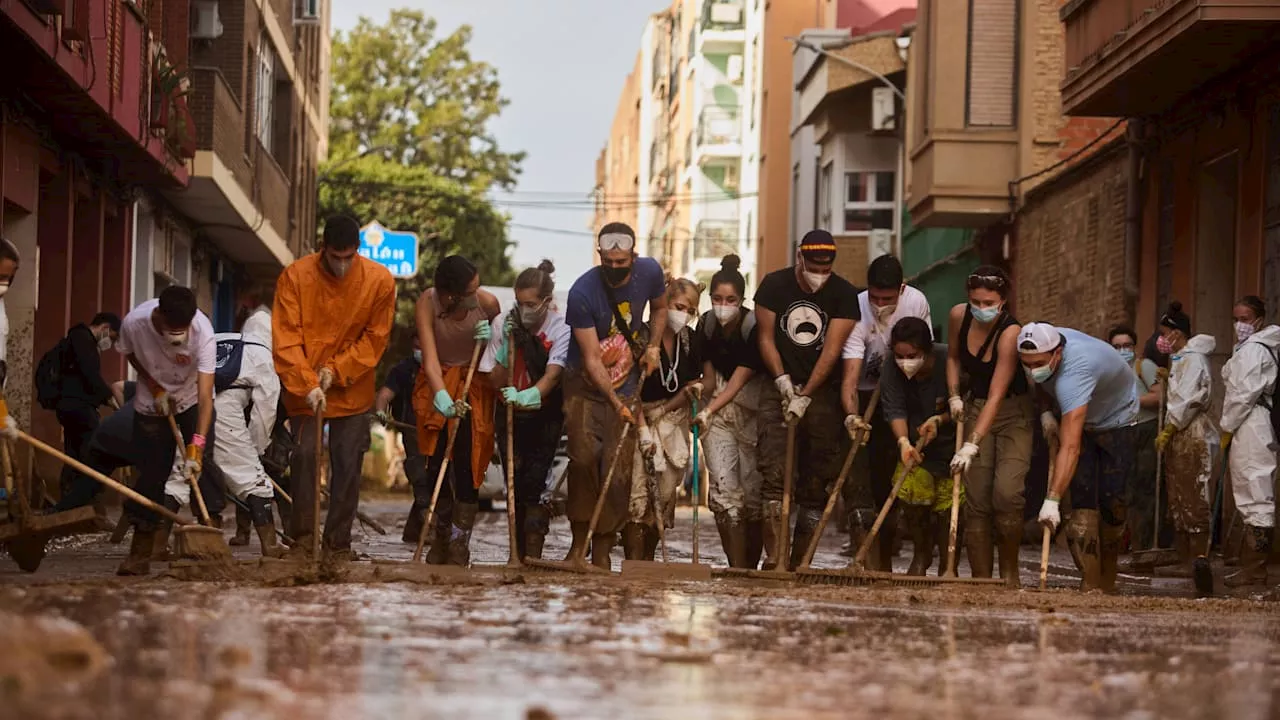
(4,288)
(1244,331)
(910,366)
(677,320)
(176,339)
(725,313)
(815,281)
(104,342)
(884,312)
(340,268)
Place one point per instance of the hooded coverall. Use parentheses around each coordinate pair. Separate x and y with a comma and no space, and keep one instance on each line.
(1192,452)
(322,321)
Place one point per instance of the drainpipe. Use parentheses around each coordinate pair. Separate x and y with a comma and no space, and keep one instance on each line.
(1133,220)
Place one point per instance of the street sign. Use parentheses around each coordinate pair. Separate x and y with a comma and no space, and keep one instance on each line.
(395,250)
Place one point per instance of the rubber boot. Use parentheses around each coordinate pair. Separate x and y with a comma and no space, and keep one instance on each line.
(215,520)
(942,531)
(464,519)
(1082,540)
(977,542)
(260,516)
(1254,554)
(860,522)
(806,525)
(733,533)
(920,529)
(722,527)
(1009,536)
(243,523)
(413,525)
(536,524)
(161,536)
(601,547)
(139,560)
(754,544)
(882,552)
(650,541)
(633,541)
(772,531)
(1181,543)
(1109,539)
(580,540)
(521,542)
(438,554)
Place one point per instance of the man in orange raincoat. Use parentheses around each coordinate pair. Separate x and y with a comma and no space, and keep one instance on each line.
(331,321)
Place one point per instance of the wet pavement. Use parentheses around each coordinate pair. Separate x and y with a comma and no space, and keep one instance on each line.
(549,645)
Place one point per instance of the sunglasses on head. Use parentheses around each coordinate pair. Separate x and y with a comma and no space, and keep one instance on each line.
(617,241)
(987,282)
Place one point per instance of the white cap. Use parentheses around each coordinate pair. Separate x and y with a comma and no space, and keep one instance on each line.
(1038,337)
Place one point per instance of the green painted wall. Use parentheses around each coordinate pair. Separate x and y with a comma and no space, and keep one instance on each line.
(944,284)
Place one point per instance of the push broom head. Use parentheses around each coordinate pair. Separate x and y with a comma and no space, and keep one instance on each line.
(197,542)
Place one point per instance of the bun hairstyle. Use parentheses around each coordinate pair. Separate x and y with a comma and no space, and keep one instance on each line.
(454,274)
(728,274)
(538,277)
(1175,319)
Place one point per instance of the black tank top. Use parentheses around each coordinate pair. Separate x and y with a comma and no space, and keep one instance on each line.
(980,373)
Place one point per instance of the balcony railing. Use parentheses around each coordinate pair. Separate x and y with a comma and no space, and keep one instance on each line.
(723,15)
(719,125)
(713,239)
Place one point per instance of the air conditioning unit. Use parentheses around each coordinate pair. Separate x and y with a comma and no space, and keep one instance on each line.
(734,69)
(205,23)
(726,13)
(306,12)
(884,111)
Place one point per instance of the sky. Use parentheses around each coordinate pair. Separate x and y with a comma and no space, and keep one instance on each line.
(562,64)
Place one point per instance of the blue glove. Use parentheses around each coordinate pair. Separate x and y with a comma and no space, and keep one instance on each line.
(530,399)
(483,331)
(502,355)
(443,403)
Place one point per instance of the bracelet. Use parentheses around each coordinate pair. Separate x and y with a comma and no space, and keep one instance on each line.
(904,440)
(1051,497)
(198,440)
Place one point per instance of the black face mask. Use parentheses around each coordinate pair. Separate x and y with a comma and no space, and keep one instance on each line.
(616,275)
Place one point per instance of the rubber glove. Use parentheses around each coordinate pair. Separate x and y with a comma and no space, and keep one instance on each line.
(1162,374)
(508,325)
(161,401)
(9,427)
(195,459)
(624,414)
(647,444)
(1225,440)
(502,355)
(963,458)
(786,388)
(928,430)
(383,417)
(443,403)
(529,399)
(461,408)
(651,362)
(316,400)
(957,407)
(484,331)
(326,378)
(854,424)
(703,420)
(906,453)
(1163,438)
(797,407)
(1050,424)
(1049,514)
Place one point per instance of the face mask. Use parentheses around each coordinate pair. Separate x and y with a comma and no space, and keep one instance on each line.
(677,319)
(884,312)
(910,366)
(1127,355)
(1244,331)
(815,280)
(984,314)
(1163,345)
(725,313)
(4,288)
(1039,375)
(176,338)
(470,302)
(104,342)
(531,317)
(340,268)
(417,355)
(616,275)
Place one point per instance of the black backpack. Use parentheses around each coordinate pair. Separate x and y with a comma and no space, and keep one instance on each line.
(48,378)
(230,356)
(1273,403)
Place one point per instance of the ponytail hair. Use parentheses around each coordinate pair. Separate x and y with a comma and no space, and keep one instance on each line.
(539,278)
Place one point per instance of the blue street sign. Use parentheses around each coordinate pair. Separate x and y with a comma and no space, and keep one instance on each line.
(395,250)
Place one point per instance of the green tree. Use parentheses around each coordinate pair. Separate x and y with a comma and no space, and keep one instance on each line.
(418,100)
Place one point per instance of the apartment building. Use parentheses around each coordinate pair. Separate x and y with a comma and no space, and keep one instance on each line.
(617,192)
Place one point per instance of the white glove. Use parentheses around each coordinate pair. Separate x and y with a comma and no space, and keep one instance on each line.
(315,400)
(854,424)
(326,378)
(1050,424)
(461,408)
(786,388)
(797,407)
(191,467)
(703,420)
(957,408)
(162,403)
(10,428)
(1049,514)
(647,445)
(963,457)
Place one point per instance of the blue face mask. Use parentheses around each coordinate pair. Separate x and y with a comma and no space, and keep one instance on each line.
(1039,375)
(417,355)
(984,314)
(1127,355)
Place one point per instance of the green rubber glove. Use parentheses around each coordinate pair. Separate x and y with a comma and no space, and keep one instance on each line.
(443,403)
(529,399)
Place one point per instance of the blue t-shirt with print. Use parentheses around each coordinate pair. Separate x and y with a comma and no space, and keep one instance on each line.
(1092,373)
(589,306)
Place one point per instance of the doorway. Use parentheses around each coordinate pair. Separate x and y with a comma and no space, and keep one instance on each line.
(1215,275)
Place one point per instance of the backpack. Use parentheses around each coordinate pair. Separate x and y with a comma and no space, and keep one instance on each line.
(1273,403)
(229,358)
(48,379)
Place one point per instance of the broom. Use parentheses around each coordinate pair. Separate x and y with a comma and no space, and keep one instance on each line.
(179,532)
(1201,572)
(194,542)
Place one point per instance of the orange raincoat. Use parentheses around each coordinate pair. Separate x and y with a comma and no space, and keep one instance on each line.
(482,398)
(342,324)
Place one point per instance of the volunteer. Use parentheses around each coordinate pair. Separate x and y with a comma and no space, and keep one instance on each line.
(914,392)
(610,350)
(731,370)
(9,261)
(526,358)
(330,324)
(81,387)
(1189,438)
(1142,483)
(170,344)
(395,402)
(998,421)
(805,314)
(661,458)
(1093,390)
(1250,379)
(452,317)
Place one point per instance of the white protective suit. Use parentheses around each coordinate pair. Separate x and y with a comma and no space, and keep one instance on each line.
(1250,379)
(237,445)
(1190,392)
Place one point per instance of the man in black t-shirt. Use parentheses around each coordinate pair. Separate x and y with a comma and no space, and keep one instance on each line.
(395,402)
(804,315)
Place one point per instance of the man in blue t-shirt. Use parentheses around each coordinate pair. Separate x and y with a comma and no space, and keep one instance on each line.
(1094,391)
(611,347)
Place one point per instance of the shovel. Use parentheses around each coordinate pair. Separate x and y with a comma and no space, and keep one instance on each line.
(1201,571)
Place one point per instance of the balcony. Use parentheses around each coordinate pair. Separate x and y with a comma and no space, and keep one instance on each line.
(722,28)
(712,240)
(1131,58)
(718,137)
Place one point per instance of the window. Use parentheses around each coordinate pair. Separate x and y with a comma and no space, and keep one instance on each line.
(264,95)
(824,196)
(868,201)
(993,63)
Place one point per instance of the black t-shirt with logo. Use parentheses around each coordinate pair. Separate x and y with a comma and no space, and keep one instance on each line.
(803,318)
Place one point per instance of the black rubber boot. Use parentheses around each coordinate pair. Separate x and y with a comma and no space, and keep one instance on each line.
(633,541)
(772,532)
(920,528)
(413,525)
(534,530)
(650,541)
(243,523)
(260,516)
(464,520)
(977,542)
(1009,536)
(733,535)
(161,537)
(139,560)
(806,525)
(884,542)
(1083,541)
(1254,554)
(755,543)
(1109,537)
(580,540)
(942,534)
(601,546)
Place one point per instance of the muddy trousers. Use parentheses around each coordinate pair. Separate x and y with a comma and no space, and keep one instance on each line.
(1098,510)
(459,500)
(78,423)
(593,429)
(821,444)
(994,487)
(536,435)
(870,481)
(415,471)
(730,448)
(1141,492)
(348,441)
(156,468)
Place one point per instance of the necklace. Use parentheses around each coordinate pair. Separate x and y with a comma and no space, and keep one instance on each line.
(670,381)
